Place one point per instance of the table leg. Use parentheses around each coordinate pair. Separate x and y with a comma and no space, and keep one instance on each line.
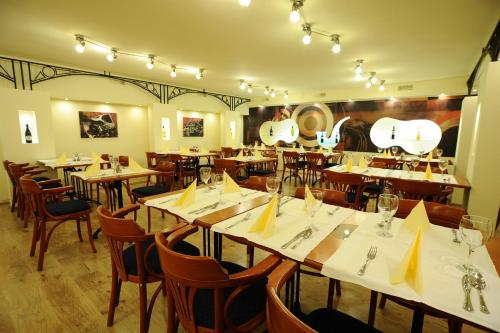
(373,308)
(417,323)
(465,198)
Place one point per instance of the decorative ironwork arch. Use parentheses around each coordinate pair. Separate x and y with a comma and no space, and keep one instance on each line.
(40,72)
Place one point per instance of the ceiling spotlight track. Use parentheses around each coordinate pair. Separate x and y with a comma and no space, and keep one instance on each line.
(151,62)
(173,73)
(267,91)
(111,56)
(306,27)
(80,46)
(295,13)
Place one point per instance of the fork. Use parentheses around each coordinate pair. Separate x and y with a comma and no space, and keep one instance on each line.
(245,218)
(202,209)
(372,253)
(305,236)
(333,211)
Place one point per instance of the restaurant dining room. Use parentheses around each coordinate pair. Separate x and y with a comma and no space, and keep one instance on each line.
(284,166)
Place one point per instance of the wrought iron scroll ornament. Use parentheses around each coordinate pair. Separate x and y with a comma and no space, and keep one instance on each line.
(40,72)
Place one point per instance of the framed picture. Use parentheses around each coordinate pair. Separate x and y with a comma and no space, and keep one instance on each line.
(98,125)
(192,127)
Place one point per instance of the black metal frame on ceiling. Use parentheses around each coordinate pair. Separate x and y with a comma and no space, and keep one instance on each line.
(14,70)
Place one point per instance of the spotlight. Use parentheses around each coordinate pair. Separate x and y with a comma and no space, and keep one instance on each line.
(368,84)
(358,77)
(266,91)
(382,85)
(358,69)
(286,94)
(151,63)
(336,44)
(273,94)
(442,96)
(80,46)
(199,75)
(392,98)
(111,56)
(250,89)
(306,27)
(372,78)
(173,73)
(245,3)
(295,14)
(242,84)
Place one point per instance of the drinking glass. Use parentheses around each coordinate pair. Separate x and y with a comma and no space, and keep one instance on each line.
(402,156)
(394,150)
(387,207)
(380,150)
(368,159)
(439,152)
(475,231)
(219,185)
(205,176)
(272,185)
(313,206)
(415,162)
(443,164)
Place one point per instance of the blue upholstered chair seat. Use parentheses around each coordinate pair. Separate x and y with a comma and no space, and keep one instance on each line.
(40,179)
(351,197)
(329,320)
(67,207)
(146,191)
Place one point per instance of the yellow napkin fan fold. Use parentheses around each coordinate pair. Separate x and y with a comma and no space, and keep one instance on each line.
(61,159)
(428,172)
(409,269)
(348,166)
(362,163)
(257,154)
(266,222)
(320,150)
(133,165)
(188,197)
(417,218)
(240,156)
(230,185)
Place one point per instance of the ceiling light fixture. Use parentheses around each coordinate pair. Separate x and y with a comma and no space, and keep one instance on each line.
(358,69)
(372,78)
(295,14)
(80,46)
(368,84)
(358,77)
(306,27)
(173,73)
(199,75)
(266,91)
(382,85)
(151,63)
(245,3)
(242,84)
(250,89)
(286,94)
(273,94)
(392,98)
(336,44)
(111,56)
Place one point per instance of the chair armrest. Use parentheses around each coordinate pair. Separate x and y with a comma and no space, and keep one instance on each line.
(57,190)
(49,181)
(28,167)
(22,164)
(258,271)
(120,213)
(35,172)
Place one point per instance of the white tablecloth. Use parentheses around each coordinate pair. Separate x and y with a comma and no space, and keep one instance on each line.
(106,173)
(292,220)
(203,199)
(442,280)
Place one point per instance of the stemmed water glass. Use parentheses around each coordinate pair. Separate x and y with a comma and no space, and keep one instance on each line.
(272,185)
(414,163)
(219,185)
(387,207)
(394,150)
(313,206)
(439,152)
(205,176)
(443,164)
(368,159)
(475,231)
(380,150)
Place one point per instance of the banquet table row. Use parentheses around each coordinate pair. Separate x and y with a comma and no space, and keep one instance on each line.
(339,244)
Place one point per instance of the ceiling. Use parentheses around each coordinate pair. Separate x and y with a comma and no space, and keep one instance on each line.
(403,41)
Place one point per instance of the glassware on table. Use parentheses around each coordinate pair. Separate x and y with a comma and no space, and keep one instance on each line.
(380,150)
(414,163)
(402,156)
(475,232)
(205,176)
(443,165)
(439,152)
(368,159)
(272,185)
(387,207)
(219,185)
(394,150)
(313,206)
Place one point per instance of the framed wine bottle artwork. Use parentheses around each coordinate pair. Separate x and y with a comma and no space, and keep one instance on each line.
(28,128)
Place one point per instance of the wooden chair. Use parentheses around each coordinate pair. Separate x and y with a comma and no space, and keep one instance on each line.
(439,214)
(389,163)
(151,160)
(137,263)
(209,296)
(291,161)
(420,190)
(314,165)
(164,183)
(352,184)
(227,152)
(105,157)
(423,168)
(123,160)
(268,168)
(15,190)
(46,209)
(232,168)
(280,319)
(257,183)
(333,160)
(185,169)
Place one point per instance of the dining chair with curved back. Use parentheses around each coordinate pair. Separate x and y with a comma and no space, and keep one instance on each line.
(185,169)
(257,183)
(47,207)
(352,184)
(330,197)
(389,163)
(438,214)
(227,152)
(137,263)
(15,190)
(267,168)
(233,168)
(280,319)
(315,162)
(417,190)
(291,161)
(205,295)
(123,160)
(151,160)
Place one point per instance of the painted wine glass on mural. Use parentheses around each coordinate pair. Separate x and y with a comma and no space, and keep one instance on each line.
(192,127)
(98,125)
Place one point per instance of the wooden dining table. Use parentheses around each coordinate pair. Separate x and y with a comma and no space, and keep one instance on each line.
(317,257)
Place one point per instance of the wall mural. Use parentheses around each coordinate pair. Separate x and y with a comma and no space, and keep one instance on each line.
(98,124)
(355,132)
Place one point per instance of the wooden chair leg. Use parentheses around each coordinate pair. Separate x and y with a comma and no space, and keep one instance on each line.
(14,199)
(250,256)
(331,293)
(454,325)
(26,214)
(149,218)
(34,238)
(143,307)
(43,245)
(89,231)
(338,288)
(79,230)
(417,323)
(113,296)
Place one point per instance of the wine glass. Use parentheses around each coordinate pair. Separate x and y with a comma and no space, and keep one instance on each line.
(313,206)
(394,150)
(402,156)
(443,164)
(380,150)
(272,185)
(414,163)
(439,152)
(219,185)
(475,231)
(205,176)
(368,159)
(387,207)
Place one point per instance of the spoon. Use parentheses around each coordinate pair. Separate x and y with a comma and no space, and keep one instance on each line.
(306,235)
(479,283)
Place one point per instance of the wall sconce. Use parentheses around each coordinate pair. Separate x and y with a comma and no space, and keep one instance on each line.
(232,129)
(165,129)
(27,125)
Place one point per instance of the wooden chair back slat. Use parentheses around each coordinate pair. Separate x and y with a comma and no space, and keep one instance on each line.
(443,215)
(414,190)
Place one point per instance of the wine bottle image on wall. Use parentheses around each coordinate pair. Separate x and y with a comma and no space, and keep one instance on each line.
(27,135)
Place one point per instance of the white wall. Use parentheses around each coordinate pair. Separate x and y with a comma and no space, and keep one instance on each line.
(211,136)
(132,137)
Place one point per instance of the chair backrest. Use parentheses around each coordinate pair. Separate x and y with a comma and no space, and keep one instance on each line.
(151,159)
(290,158)
(227,152)
(6,164)
(255,183)
(377,164)
(444,215)
(417,190)
(33,195)
(119,231)
(315,160)
(105,157)
(229,166)
(166,177)
(278,318)
(330,197)
(123,160)
(389,163)
(16,171)
(423,168)
(346,182)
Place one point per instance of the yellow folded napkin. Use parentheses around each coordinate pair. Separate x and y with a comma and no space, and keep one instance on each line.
(62,159)
(362,163)
(389,153)
(348,166)
(320,150)
(301,149)
(230,185)
(188,197)
(93,170)
(429,156)
(330,150)
(95,157)
(308,196)
(262,146)
(184,150)
(266,222)
(409,269)
(417,218)
(428,172)
(240,156)
(257,154)
(133,165)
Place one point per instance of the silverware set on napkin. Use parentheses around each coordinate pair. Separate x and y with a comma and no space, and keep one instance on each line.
(300,237)
(205,208)
(245,218)
(372,253)
(474,280)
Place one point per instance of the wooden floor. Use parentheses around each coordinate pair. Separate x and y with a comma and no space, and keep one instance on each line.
(71,294)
